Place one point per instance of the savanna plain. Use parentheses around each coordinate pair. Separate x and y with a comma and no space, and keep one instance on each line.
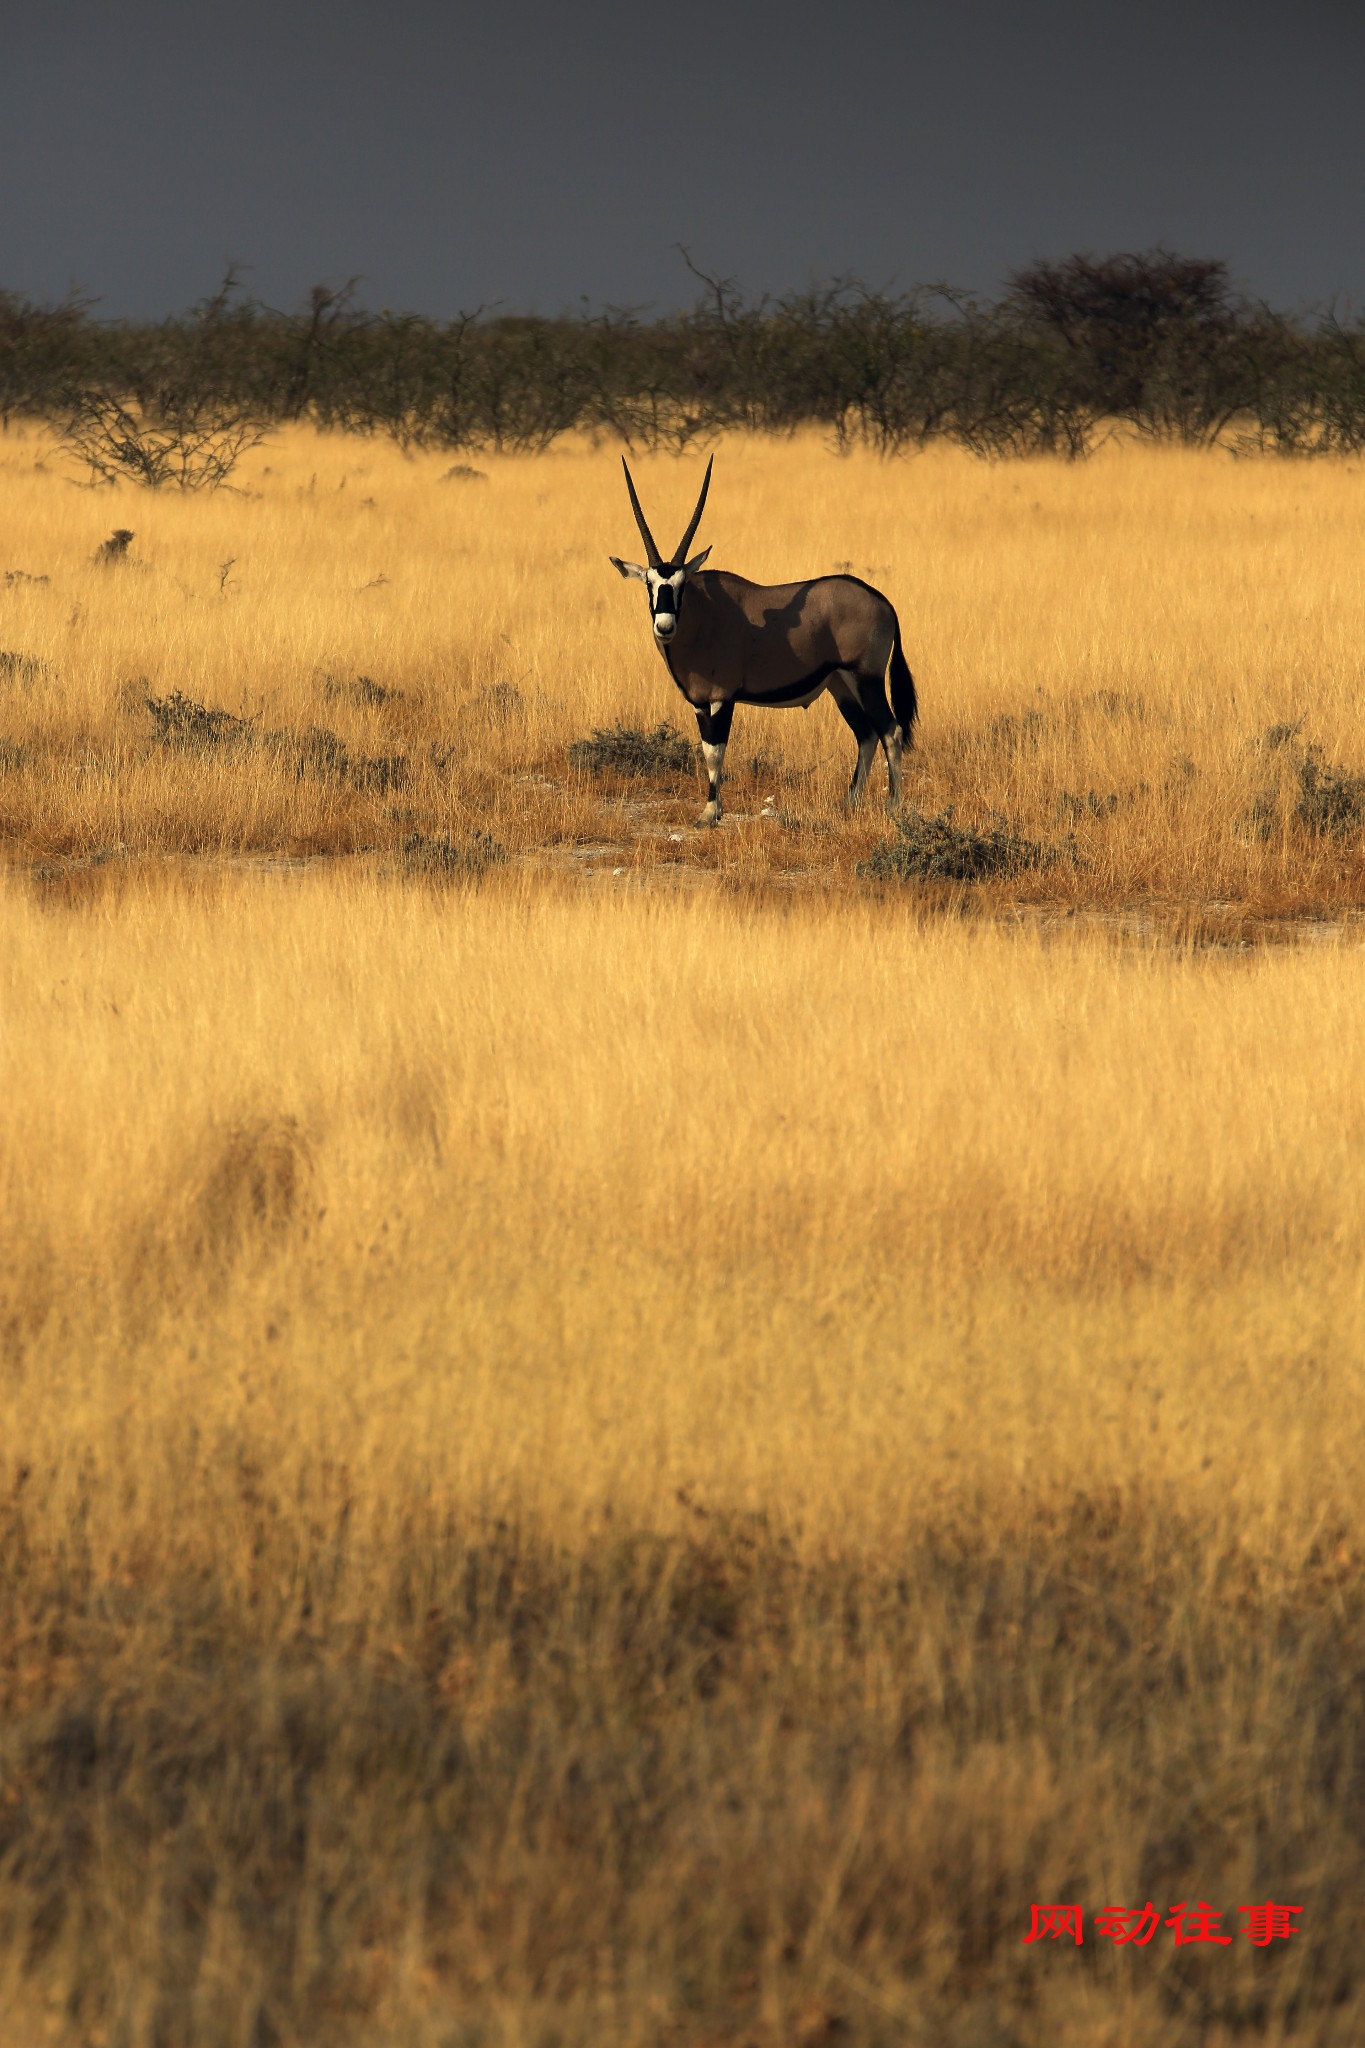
(613,1434)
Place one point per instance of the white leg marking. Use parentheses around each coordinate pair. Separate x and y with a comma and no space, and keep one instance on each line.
(714,757)
(893,746)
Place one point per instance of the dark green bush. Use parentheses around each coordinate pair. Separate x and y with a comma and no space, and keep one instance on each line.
(625,750)
(937,850)
(1322,799)
(178,721)
(1330,800)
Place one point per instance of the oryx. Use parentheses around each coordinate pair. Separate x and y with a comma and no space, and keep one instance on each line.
(727,641)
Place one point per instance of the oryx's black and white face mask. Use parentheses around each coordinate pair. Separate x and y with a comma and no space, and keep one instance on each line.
(665,586)
(665,582)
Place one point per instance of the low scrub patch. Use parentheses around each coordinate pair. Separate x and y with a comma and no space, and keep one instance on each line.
(362,690)
(1330,800)
(179,721)
(625,750)
(1073,807)
(320,752)
(937,850)
(22,668)
(1321,798)
(442,855)
(1013,733)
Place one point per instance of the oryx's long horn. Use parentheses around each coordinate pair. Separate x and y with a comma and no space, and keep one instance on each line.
(655,558)
(685,543)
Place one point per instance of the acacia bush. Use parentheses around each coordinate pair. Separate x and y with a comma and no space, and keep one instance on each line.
(937,850)
(625,750)
(1159,342)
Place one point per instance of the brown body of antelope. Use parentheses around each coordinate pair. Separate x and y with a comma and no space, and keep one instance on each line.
(727,641)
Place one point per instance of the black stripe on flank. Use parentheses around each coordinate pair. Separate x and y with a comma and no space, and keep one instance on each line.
(792,693)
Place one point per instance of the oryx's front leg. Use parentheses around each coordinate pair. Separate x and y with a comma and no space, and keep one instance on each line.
(714,727)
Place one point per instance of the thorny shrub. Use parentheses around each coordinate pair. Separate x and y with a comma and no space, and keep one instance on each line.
(625,750)
(1325,800)
(179,721)
(937,850)
(1159,341)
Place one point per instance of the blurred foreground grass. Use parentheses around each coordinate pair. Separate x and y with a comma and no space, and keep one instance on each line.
(630,1469)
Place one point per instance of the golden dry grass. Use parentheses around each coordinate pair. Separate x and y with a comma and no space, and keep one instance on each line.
(1101,651)
(609,1464)
(592,1468)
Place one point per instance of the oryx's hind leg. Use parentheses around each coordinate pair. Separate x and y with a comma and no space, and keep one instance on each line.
(844,690)
(713,726)
(882,720)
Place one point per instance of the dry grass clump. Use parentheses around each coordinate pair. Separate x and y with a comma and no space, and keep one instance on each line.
(597,1468)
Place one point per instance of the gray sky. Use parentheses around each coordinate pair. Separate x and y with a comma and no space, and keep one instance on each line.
(536,155)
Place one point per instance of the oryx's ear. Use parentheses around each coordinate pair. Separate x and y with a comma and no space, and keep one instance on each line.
(697,560)
(626,568)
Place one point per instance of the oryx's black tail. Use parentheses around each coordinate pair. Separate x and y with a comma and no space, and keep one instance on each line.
(904,702)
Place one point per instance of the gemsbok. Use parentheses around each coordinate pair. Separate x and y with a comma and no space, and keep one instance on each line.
(727,641)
